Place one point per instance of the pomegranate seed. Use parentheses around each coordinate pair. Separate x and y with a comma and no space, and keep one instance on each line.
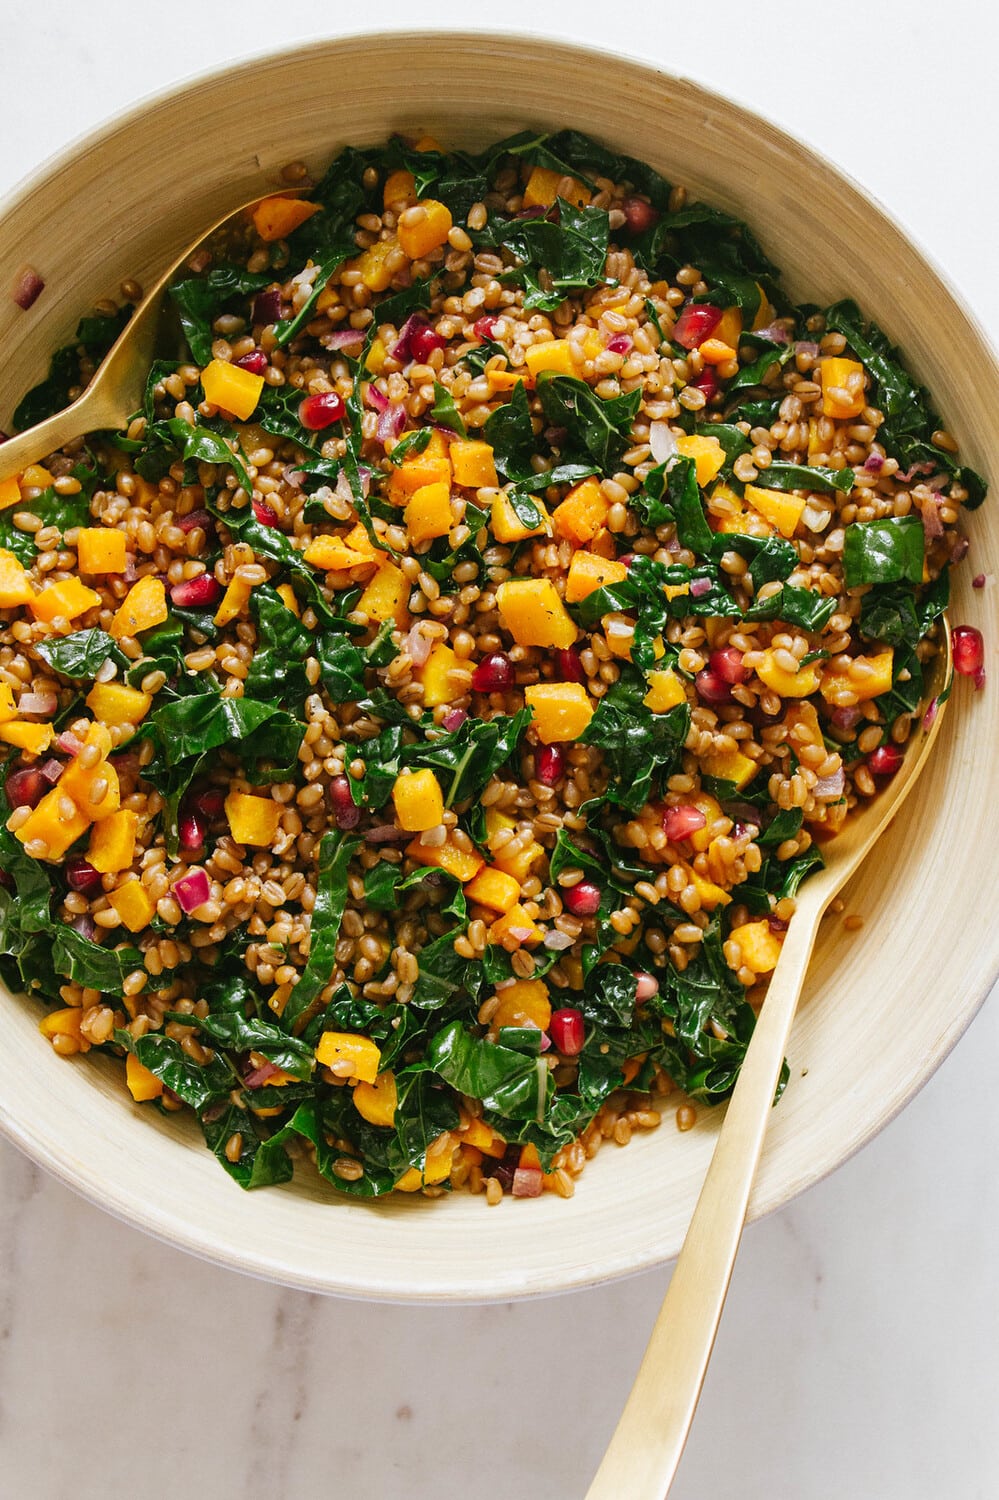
(485,328)
(527,1182)
(81,876)
(549,764)
(646,985)
(264,514)
(697,322)
(209,802)
(198,520)
(711,688)
(569,664)
(255,362)
(707,382)
(978,582)
(190,832)
(968,648)
(582,899)
(267,306)
(627,559)
(25,788)
(317,412)
(680,822)
(454,720)
(776,924)
(423,341)
(196,593)
(726,663)
(639,215)
(568,1031)
(493,674)
(346,814)
(885,760)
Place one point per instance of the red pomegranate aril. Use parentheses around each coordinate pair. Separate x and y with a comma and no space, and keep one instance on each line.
(191,834)
(639,215)
(81,876)
(706,382)
(25,788)
(568,1030)
(346,813)
(196,520)
(626,559)
(267,306)
(621,343)
(264,514)
(255,362)
(646,985)
(712,688)
(192,890)
(696,322)
(726,663)
(317,412)
(549,764)
(423,341)
(527,1182)
(968,648)
(209,802)
(680,822)
(196,593)
(978,582)
(485,328)
(582,899)
(493,674)
(569,665)
(28,286)
(885,760)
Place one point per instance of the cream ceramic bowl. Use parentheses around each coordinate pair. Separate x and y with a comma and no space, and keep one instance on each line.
(882,1007)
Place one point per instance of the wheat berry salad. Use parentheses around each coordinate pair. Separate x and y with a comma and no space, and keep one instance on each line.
(417,723)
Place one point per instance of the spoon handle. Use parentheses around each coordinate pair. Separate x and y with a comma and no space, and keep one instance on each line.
(645,1450)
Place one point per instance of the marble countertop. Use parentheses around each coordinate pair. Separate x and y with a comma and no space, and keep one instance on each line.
(859,1352)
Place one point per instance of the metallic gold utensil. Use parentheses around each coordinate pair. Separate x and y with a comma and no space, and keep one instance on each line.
(642,1457)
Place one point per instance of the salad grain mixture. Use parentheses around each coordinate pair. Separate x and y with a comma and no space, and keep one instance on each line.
(419,720)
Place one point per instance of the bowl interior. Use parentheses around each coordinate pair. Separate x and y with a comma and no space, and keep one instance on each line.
(882,1006)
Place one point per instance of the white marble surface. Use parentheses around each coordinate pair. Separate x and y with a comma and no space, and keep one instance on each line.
(859,1352)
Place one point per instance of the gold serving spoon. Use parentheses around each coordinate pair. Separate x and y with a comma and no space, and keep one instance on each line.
(642,1458)
(116,390)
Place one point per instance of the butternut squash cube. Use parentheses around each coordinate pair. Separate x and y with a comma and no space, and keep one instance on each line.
(253,821)
(878,681)
(373,265)
(377,1102)
(436,1166)
(67,599)
(143,607)
(525,1002)
(588,572)
(233,601)
(101,550)
(65,1023)
(81,782)
(484,1138)
(554,354)
(493,888)
(508,527)
(10,492)
(562,710)
(519,862)
(428,512)
(48,822)
(399,189)
(707,453)
(419,801)
(348,1047)
(843,394)
(233,389)
(386,596)
(515,929)
(275,218)
(715,351)
(115,703)
(430,231)
(377,355)
(665,691)
(729,329)
(34,739)
(463,864)
(711,895)
(112,842)
(438,686)
(133,904)
(332,554)
(473,464)
(432,466)
(731,765)
(800,684)
(759,947)
(8,709)
(533,613)
(781,510)
(140,1082)
(542,189)
(357,540)
(289,598)
(16,587)
(582,513)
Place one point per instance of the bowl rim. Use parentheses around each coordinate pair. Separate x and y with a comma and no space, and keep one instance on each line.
(147,1215)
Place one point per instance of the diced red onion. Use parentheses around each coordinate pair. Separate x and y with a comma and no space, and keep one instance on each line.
(400,350)
(960,549)
(292,477)
(805,346)
(527,1182)
(775,332)
(830,786)
(81,875)
(375,398)
(86,927)
(454,720)
(776,924)
(391,422)
(916,469)
(260,1075)
(267,306)
(621,343)
(932,709)
(342,338)
(932,524)
(28,286)
(699,587)
(557,942)
(417,645)
(546,1042)
(661,441)
(68,743)
(845,718)
(37,703)
(52,770)
(192,890)
(874,463)
(385,833)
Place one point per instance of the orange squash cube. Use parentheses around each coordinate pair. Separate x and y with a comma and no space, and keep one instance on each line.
(432,466)
(140,1082)
(493,888)
(729,329)
(8,709)
(533,613)
(877,681)
(707,453)
(525,1002)
(374,265)
(419,801)
(253,821)
(553,354)
(348,1047)
(233,601)
(582,513)
(377,1102)
(81,783)
(133,904)
(730,765)
(419,238)
(759,947)
(507,526)
(143,607)
(65,1023)
(53,824)
(66,599)
(463,864)
(112,842)
(800,684)
(781,510)
(231,388)
(542,189)
(715,351)
(386,596)
(16,587)
(842,382)
(399,190)
(515,929)
(665,691)
(562,710)
(438,685)
(473,464)
(332,554)
(588,572)
(115,703)
(275,218)
(519,863)
(10,492)
(34,739)
(428,512)
(101,550)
